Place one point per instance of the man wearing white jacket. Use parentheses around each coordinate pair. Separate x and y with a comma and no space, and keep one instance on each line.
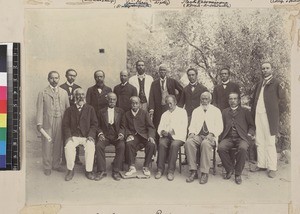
(172,131)
(206,125)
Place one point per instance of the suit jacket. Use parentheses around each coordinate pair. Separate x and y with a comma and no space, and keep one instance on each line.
(191,99)
(221,95)
(140,124)
(155,96)
(45,108)
(124,93)
(272,94)
(102,115)
(70,93)
(244,123)
(135,82)
(98,101)
(86,121)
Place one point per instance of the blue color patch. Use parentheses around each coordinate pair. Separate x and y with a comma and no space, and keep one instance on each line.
(2,148)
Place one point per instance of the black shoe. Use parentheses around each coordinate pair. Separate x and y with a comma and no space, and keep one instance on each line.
(47,172)
(90,175)
(228,175)
(116,176)
(204,178)
(238,179)
(193,175)
(69,175)
(100,175)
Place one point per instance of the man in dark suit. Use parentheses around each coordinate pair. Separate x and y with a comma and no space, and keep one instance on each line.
(265,110)
(70,87)
(190,98)
(109,119)
(160,88)
(239,131)
(80,126)
(124,91)
(139,133)
(221,92)
(96,95)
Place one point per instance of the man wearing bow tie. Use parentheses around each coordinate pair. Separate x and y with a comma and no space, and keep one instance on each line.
(206,125)
(80,126)
(142,82)
(109,133)
(221,92)
(96,95)
(70,87)
(124,91)
(51,105)
(265,111)
(239,131)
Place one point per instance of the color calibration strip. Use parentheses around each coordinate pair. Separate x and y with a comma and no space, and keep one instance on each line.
(9,106)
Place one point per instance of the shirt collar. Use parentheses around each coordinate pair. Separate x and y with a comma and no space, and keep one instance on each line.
(53,88)
(141,76)
(135,113)
(193,84)
(70,84)
(235,108)
(225,83)
(268,78)
(110,109)
(164,79)
(78,106)
(123,84)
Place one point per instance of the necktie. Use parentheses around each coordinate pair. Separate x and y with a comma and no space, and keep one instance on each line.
(264,83)
(224,86)
(70,89)
(79,108)
(204,127)
(163,84)
(192,87)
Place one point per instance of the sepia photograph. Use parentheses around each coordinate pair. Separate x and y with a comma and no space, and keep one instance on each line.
(158,106)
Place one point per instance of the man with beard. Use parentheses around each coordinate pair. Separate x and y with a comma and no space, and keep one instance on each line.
(70,87)
(51,105)
(124,91)
(206,125)
(142,82)
(80,127)
(109,133)
(96,95)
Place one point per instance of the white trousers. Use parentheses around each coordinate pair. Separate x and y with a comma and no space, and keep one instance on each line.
(89,152)
(265,142)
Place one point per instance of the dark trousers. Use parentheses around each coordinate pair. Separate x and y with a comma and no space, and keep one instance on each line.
(241,155)
(165,146)
(119,157)
(137,144)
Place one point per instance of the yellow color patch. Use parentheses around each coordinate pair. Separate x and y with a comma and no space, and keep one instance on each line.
(3,120)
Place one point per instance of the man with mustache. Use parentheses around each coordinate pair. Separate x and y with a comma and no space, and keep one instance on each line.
(80,127)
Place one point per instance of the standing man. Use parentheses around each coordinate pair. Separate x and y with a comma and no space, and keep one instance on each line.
(206,125)
(172,131)
(80,128)
(124,91)
(160,89)
(239,131)
(96,95)
(139,133)
(221,92)
(51,105)
(109,133)
(265,110)
(70,87)
(142,82)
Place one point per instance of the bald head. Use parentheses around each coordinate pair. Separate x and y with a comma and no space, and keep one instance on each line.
(205,98)
(79,95)
(112,99)
(124,75)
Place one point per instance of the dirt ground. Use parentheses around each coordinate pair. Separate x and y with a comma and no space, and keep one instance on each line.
(256,187)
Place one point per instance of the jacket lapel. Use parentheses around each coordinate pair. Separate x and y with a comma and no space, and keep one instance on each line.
(105,115)
(49,91)
(117,115)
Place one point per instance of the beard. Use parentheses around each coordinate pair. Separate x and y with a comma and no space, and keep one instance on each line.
(80,102)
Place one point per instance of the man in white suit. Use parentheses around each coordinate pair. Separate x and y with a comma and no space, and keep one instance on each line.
(142,82)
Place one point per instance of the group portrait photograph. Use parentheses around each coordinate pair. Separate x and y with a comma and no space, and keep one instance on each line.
(157,106)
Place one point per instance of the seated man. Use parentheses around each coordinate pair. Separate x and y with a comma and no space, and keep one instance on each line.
(238,132)
(172,131)
(80,126)
(109,119)
(206,125)
(140,132)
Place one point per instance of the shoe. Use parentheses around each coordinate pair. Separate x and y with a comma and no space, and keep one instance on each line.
(90,175)
(131,171)
(204,178)
(228,175)
(170,176)
(158,175)
(272,174)
(59,169)
(69,175)
(116,176)
(146,171)
(193,175)
(238,179)
(99,176)
(47,172)
(256,169)
(78,162)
